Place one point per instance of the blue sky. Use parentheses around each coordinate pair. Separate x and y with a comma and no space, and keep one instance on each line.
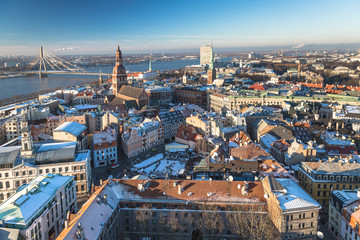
(80,27)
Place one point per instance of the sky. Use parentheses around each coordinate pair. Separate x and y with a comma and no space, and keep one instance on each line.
(155,26)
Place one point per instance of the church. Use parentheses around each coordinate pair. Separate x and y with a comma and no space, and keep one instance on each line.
(122,92)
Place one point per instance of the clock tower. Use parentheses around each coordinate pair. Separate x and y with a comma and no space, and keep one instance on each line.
(119,76)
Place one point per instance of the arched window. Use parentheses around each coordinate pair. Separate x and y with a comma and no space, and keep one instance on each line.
(82,188)
(1,196)
(7,185)
(17,184)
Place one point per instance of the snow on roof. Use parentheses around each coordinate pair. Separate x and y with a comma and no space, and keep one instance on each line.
(73,128)
(25,204)
(102,137)
(83,156)
(229,129)
(96,212)
(295,197)
(267,140)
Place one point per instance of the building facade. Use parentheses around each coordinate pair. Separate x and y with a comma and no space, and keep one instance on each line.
(190,95)
(142,138)
(320,178)
(104,147)
(293,212)
(39,208)
(170,122)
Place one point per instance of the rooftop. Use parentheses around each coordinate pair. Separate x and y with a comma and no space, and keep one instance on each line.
(291,196)
(336,168)
(73,128)
(29,200)
(56,151)
(93,214)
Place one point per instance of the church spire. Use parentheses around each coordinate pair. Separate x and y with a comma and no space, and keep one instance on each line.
(118,55)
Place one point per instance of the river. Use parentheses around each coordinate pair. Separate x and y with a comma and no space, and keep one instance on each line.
(30,84)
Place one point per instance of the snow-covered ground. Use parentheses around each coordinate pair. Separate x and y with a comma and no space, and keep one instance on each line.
(149,161)
(164,166)
(159,166)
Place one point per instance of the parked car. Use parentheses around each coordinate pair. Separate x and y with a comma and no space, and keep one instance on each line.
(114,165)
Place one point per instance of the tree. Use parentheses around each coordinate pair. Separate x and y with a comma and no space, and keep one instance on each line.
(143,216)
(211,221)
(252,226)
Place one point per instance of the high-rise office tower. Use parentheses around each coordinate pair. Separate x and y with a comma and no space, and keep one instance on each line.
(206,54)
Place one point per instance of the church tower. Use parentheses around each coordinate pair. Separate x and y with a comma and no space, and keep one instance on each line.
(27,146)
(119,77)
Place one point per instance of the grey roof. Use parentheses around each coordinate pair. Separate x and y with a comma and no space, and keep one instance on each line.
(294,197)
(56,151)
(281,132)
(73,128)
(8,155)
(170,116)
(335,168)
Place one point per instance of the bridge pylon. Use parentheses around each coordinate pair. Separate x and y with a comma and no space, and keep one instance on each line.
(42,63)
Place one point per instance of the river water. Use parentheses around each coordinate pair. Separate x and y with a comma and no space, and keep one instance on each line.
(30,84)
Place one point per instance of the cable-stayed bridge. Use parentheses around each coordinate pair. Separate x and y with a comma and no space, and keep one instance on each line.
(49,63)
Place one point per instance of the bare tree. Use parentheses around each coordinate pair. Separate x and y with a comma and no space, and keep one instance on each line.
(143,217)
(212,222)
(252,226)
(174,223)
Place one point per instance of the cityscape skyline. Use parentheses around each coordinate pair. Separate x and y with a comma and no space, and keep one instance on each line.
(142,27)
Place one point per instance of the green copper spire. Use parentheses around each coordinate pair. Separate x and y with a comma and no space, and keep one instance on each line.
(212,59)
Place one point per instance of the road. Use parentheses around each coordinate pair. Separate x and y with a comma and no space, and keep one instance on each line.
(325,230)
(104,172)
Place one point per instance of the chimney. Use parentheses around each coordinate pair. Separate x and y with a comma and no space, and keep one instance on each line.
(358,193)
(105,199)
(179,189)
(101,182)
(243,190)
